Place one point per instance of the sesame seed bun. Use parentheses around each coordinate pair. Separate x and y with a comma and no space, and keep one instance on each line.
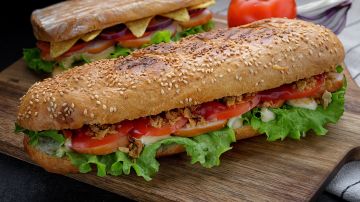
(69,19)
(64,166)
(197,69)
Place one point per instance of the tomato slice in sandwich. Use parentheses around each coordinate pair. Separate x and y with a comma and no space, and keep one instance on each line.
(142,127)
(214,110)
(85,144)
(288,91)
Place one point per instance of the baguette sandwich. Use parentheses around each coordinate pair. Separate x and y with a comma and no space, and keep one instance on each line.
(277,77)
(71,33)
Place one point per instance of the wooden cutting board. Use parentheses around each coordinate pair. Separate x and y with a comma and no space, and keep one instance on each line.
(254,170)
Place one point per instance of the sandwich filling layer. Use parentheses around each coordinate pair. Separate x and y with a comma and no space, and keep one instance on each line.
(116,41)
(205,130)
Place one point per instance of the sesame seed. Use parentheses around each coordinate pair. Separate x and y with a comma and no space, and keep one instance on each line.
(104,107)
(98,102)
(85,112)
(92,115)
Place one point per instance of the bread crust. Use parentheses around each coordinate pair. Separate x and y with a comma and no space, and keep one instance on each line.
(197,69)
(49,163)
(69,19)
(64,166)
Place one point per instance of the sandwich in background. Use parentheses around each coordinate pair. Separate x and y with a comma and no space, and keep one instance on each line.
(71,33)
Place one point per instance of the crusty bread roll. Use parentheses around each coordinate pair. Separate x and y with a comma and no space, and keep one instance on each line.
(69,19)
(64,166)
(197,69)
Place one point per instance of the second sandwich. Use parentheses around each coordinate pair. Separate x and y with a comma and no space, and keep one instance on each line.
(71,33)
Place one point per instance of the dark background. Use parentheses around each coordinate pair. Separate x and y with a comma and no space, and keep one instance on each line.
(20,181)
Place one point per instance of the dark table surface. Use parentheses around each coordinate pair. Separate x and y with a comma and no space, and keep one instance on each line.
(20,181)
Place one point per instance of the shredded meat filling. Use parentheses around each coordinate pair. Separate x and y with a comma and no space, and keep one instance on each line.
(135,148)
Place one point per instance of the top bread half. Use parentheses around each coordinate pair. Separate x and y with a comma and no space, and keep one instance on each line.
(69,19)
(197,69)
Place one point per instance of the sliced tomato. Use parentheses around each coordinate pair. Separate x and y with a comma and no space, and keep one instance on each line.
(43,46)
(200,19)
(85,144)
(196,12)
(217,111)
(67,133)
(124,127)
(138,42)
(95,46)
(288,91)
(143,127)
(197,130)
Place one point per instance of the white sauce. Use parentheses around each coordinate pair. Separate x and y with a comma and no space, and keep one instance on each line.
(266,115)
(307,103)
(236,122)
(146,140)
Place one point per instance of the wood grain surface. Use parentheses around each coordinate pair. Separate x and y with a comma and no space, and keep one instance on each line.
(254,170)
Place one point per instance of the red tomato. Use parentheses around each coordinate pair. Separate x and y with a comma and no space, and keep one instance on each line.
(199,19)
(143,127)
(85,144)
(43,46)
(217,111)
(242,12)
(194,131)
(287,91)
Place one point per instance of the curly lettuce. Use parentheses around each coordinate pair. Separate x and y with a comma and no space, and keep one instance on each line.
(194,30)
(293,122)
(119,51)
(205,149)
(34,62)
(35,136)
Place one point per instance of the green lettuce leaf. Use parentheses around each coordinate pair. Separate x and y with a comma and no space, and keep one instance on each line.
(205,149)
(161,36)
(34,61)
(293,122)
(120,51)
(34,136)
(194,30)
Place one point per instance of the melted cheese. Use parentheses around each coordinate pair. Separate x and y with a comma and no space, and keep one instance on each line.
(307,103)
(90,36)
(146,140)
(138,27)
(266,115)
(59,48)
(181,15)
(203,5)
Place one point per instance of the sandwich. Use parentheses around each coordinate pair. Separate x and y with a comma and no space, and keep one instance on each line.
(71,33)
(276,77)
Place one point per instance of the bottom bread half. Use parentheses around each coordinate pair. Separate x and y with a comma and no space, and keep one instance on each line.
(63,165)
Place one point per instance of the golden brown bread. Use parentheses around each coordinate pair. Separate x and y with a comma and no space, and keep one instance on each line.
(201,68)
(69,19)
(64,166)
